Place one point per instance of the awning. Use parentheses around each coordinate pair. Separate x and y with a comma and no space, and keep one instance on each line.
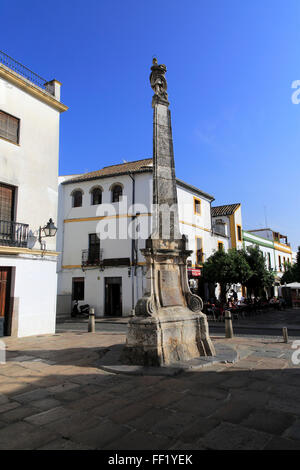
(292,285)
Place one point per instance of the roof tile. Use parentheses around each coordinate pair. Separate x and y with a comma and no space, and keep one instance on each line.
(228,209)
(120,169)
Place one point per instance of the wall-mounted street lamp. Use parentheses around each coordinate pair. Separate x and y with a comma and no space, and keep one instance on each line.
(49,231)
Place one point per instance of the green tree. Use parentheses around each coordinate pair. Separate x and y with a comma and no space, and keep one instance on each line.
(226,268)
(292,273)
(261,277)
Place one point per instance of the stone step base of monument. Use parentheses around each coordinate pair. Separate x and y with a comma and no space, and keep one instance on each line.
(110,362)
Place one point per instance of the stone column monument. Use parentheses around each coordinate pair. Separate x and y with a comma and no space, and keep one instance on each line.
(168,325)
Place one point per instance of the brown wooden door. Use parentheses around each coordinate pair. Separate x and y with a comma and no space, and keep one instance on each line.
(3,290)
(5,278)
(113,296)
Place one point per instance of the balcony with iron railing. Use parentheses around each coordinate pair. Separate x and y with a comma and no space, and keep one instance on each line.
(91,257)
(25,72)
(13,234)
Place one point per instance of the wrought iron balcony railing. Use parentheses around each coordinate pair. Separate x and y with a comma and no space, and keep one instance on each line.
(22,70)
(92,257)
(13,233)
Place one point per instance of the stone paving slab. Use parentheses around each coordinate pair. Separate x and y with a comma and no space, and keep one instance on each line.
(54,396)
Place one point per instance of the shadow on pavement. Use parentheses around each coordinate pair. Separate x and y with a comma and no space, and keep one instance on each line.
(59,399)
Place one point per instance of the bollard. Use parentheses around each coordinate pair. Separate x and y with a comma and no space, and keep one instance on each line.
(285,335)
(91,324)
(228,325)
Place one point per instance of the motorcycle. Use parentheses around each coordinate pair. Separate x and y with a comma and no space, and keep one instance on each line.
(82,311)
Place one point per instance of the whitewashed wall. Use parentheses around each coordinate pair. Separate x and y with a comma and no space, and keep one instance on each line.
(73,236)
(34,294)
(32,167)
(264,249)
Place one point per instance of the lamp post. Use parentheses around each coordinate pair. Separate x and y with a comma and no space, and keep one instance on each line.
(49,231)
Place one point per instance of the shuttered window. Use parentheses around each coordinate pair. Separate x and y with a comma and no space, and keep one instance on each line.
(9,127)
(6,202)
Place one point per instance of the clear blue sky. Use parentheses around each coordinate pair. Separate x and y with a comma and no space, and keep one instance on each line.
(230,68)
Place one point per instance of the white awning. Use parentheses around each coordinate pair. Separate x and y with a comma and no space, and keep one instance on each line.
(292,285)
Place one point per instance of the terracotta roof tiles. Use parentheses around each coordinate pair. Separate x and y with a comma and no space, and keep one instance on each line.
(114,170)
(228,209)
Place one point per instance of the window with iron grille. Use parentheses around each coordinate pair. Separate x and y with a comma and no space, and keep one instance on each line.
(9,127)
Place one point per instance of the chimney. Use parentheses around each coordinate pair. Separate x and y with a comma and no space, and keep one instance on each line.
(53,87)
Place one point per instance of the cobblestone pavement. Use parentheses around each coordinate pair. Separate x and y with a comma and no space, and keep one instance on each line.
(53,396)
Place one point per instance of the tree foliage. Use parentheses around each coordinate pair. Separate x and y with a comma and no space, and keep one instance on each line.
(292,273)
(261,277)
(246,267)
(226,268)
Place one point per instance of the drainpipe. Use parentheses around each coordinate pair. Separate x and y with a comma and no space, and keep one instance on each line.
(133,261)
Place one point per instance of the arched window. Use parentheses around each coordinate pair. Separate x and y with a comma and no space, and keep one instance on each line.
(77,198)
(96,196)
(116,193)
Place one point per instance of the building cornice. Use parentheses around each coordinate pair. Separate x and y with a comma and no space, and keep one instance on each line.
(282,248)
(258,242)
(194,189)
(30,88)
(106,217)
(113,175)
(14,250)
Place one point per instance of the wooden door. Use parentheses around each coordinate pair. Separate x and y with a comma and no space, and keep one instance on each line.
(113,296)
(5,278)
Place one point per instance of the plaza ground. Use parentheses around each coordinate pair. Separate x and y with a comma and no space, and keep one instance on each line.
(269,323)
(53,396)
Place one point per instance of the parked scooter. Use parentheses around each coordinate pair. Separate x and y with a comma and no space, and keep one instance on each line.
(82,311)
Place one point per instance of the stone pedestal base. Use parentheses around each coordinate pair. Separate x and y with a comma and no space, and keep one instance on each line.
(176,334)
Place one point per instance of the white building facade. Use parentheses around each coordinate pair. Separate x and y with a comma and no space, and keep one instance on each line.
(30,111)
(109,274)
(275,248)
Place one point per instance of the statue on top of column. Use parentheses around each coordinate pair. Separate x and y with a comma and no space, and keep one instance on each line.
(157,79)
